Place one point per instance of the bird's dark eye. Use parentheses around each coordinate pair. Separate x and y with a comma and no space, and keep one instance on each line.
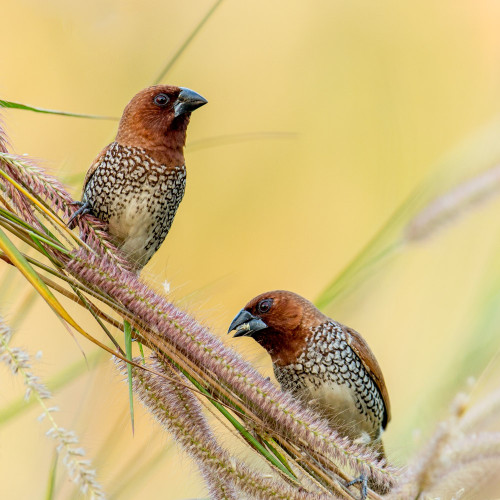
(264,305)
(161,100)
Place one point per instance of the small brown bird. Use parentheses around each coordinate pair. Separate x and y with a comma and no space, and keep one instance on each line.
(137,182)
(324,363)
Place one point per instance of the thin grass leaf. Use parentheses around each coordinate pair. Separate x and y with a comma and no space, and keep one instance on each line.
(88,305)
(23,226)
(49,495)
(94,311)
(141,350)
(14,218)
(187,42)
(127,329)
(39,239)
(278,455)
(36,109)
(32,276)
(44,209)
(62,276)
(383,245)
(246,435)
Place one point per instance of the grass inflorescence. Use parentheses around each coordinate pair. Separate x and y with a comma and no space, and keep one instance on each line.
(91,271)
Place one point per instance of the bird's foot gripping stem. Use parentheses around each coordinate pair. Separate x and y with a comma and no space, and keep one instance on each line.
(85,208)
(364,485)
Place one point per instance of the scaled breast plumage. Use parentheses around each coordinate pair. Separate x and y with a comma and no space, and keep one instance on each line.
(137,196)
(329,360)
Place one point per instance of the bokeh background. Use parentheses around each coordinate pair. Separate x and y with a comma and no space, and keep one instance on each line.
(323,118)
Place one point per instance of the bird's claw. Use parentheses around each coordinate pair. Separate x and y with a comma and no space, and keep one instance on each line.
(364,485)
(85,208)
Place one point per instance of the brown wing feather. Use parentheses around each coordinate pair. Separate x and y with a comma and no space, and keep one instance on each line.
(93,168)
(360,347)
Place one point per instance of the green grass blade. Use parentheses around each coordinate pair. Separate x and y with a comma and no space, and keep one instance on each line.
(90,308)
(49,495)
(86,303)
(244,433)
(141,350)
(383,244)
(39,239)
(25,107)
(277,454)
(127,329)
(187,42)
(42,206)
(18,221)
(21,225)
(29,273)
(18,260)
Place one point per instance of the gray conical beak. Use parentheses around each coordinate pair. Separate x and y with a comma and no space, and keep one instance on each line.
(245,324)
(188,101)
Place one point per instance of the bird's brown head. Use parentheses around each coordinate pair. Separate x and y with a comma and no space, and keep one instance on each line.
(156,120)
(279,321)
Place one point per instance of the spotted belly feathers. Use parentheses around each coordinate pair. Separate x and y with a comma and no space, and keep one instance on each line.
(137,197)
(329,374)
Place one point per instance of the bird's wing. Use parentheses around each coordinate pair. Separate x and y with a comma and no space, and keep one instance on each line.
(360,347)
(93,168)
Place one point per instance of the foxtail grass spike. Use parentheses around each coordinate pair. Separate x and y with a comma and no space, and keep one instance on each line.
(277,409)
(456,202)
(178,411)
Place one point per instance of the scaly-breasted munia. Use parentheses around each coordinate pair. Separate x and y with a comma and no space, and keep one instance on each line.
(327,365)
(137,182)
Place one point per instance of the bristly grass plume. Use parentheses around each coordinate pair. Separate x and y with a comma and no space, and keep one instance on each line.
(190,367)
(306,458)
(450,461)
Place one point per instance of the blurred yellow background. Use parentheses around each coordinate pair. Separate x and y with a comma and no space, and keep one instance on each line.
(354,105)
